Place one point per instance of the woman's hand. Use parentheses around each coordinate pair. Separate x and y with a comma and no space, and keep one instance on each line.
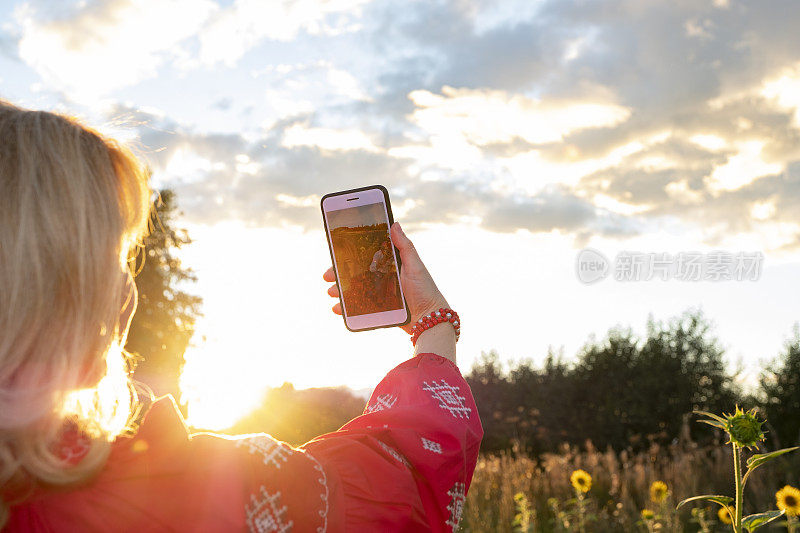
(422,297)
(420,291)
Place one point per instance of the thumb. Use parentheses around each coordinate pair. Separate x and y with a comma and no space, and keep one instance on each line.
(404,245)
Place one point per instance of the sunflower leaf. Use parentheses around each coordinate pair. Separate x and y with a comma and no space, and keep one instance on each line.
(714,423)
(710,415)
(721,500)
(761,458)
(755,521)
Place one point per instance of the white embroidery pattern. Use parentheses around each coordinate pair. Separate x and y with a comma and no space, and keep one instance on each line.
(323,513)
(448,398)
(433,446)
(272,451)
(264,515)
(384,401)
(456,505)
(394,453)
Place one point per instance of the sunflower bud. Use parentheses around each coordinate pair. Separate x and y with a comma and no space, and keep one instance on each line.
(744,428)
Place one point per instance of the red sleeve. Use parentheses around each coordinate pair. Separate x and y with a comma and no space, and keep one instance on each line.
(407,462)
(404,465)
(164,479)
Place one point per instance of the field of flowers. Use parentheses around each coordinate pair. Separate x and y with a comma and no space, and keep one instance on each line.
(623,491)
(611,441)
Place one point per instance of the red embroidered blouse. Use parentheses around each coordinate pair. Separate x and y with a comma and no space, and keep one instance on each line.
(403,465)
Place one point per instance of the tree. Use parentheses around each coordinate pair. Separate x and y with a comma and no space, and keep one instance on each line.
(633,392)
(491,391)
(165,318)
(621,392)
(780,386)
(606,392)
(297,416)
(539,411)
(685,371)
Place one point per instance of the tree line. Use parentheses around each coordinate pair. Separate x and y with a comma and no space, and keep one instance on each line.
(626,392)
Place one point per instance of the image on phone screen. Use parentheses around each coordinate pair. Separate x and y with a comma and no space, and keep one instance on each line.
(365,259)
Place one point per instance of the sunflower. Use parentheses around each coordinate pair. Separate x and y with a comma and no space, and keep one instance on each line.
(724,515)
(581,480)
(789,500)
(744,428)
(658,491)
(647,514)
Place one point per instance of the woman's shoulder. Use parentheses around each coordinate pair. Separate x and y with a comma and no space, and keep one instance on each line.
(164,431)
(274,483)
(166,477)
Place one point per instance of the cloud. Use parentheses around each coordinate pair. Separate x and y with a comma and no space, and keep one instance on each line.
(240,27)
(301,88)
(327,138)
(274,180)
(95,47)
(600,118)
(90,49)
(222,104)
(708,91)
(486,116)
(457,124)
(784,89)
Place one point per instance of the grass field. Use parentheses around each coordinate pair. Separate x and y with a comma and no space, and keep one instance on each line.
(620,488)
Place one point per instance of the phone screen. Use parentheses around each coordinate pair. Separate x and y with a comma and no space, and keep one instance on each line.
(364,259)
(366,264)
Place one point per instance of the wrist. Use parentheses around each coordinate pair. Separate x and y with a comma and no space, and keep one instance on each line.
(440,330)
(432,308)
(437,332)
(439,339)
(434,318)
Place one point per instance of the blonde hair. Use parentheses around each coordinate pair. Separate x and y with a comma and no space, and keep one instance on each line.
(73,204)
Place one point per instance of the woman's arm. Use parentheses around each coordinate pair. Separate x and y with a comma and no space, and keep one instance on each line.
(407,462)
(440,339)
(422,296)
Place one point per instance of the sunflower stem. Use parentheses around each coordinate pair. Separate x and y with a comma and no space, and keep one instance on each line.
(581,523)
(737,472)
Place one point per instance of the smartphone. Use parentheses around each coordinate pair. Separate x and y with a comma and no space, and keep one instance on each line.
(365,261)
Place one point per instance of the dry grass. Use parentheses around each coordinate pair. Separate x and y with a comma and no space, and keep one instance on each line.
(620,486)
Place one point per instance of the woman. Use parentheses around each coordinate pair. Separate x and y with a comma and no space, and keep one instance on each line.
(79,451)
(380,267)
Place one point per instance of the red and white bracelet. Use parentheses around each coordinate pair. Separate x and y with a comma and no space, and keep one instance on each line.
(436,317)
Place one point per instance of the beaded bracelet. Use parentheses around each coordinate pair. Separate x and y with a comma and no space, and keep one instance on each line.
(436,317)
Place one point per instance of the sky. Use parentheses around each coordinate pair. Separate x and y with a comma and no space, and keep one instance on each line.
(353,217)
(510,134)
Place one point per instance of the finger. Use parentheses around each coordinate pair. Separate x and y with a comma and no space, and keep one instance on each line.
(333,290)
(329,275)
(408,253)
(337,309)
